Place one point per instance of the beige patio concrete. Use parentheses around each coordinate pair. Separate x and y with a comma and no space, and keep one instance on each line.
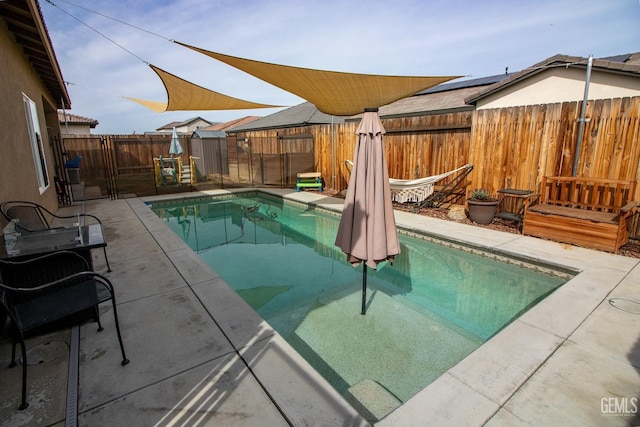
(200,355)
(47,382)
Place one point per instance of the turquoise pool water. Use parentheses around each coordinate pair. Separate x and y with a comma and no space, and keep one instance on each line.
(427,312)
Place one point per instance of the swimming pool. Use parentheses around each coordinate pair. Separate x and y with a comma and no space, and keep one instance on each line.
(428,311)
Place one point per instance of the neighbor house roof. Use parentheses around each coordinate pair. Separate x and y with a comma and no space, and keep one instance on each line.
(627,58)
(25,20)
(64,117)
(299,115)
(624,64)
(466,84)
(233,123)
(444,97)
(182,123)
(206,133)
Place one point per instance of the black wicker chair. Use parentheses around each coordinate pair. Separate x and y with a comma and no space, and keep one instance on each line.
(34,217)
(48,292)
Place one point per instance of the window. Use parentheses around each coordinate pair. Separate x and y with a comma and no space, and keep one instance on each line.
(35,138)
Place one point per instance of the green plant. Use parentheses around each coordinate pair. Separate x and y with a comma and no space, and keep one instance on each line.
(480,194)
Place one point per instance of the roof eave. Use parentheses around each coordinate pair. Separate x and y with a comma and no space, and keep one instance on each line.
(496,87)
(36,13)
(426,112)
(604,66)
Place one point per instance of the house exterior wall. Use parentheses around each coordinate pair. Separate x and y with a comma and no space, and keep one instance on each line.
(192,126)
(75,129)
(562,85)
(18,179)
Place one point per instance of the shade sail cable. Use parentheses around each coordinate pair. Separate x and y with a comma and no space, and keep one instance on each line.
(96,31)
(108,17)
(182,95)
(334,93)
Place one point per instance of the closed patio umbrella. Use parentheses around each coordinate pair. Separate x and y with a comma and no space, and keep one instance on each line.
(367,231)
(175,147)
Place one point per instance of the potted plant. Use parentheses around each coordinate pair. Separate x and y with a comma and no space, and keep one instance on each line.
(482,207)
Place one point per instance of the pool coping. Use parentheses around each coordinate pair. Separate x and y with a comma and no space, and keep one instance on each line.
(479,387)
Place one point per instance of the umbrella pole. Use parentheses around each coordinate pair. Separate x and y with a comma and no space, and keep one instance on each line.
(364,289)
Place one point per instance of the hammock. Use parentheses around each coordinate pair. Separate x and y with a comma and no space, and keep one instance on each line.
(415,190)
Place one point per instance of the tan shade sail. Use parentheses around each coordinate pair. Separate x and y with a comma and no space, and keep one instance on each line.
(158,107)
(183,95)
(336,93)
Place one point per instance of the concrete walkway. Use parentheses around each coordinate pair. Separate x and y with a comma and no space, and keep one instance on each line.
(201,356)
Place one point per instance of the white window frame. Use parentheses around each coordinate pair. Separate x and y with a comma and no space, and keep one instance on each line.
(35,139)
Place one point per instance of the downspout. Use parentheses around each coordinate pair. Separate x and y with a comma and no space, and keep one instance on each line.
(64,112)
(582,119)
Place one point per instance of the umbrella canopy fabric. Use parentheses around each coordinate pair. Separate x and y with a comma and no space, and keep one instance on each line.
(367,230)
(175,147)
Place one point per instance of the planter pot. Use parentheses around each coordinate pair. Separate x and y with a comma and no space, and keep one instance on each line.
(482,211)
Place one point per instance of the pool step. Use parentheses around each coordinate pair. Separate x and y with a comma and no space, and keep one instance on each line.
(186,174)
(371,399)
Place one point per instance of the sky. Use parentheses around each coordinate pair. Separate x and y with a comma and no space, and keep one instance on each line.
(104,47)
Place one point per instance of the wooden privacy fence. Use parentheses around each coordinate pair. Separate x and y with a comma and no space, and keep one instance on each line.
(273,161)
(132,154)
(509,147)
(416,146)
(515,147)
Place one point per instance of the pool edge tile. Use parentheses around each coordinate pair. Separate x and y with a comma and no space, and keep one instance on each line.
(543,319)
(499,367)
(302,394)
(445,402)
(239,322)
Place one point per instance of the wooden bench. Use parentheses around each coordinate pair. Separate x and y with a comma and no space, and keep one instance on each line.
(588,212)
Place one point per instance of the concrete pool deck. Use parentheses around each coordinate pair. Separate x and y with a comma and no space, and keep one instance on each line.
(201,356)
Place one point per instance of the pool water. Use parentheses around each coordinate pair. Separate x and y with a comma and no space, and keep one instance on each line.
(428,311)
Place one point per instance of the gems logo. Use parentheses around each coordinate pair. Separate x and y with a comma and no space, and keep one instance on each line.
(619,406)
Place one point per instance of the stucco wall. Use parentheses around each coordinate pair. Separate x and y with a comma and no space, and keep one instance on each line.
(75,129)
(562,85)
(17,175)
(198,124)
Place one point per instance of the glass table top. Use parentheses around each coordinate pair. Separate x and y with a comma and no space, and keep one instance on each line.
(54,239)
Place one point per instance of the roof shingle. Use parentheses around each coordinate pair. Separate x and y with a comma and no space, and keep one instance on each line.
(64,117)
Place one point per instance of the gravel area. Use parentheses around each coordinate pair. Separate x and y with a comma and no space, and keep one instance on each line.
(631,249)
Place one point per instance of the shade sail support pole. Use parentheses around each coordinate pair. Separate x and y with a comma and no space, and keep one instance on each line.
(364,289)
(582,120)
(333,158)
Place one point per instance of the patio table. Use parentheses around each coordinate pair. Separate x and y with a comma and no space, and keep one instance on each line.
(81,239)
(516,213)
